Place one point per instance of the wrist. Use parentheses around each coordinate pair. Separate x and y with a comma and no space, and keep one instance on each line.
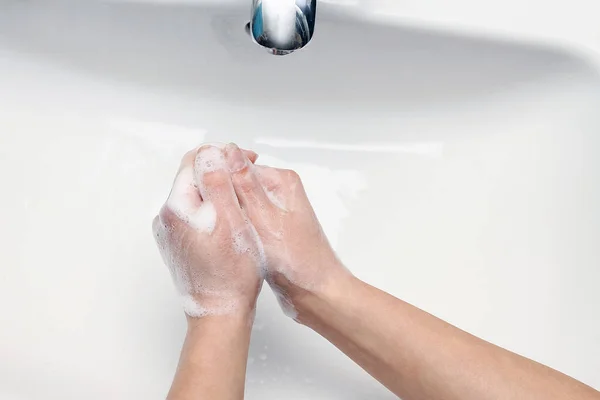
(322,302)
(232,313)
(221,303)
(233,320)
(213,357)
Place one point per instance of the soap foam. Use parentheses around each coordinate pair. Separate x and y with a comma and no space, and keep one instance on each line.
(275,199)
(285,303)
(184,198)
(185,202)
(247,241)
(209,159)
(205,218)
(192,308)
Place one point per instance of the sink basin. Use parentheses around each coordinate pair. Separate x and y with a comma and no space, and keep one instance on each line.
(457,172)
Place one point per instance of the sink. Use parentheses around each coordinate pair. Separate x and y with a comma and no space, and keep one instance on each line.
(456,171)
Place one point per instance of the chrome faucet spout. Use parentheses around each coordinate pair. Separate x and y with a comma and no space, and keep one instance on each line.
(282,26)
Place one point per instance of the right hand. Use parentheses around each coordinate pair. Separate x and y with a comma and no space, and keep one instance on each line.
(300,259)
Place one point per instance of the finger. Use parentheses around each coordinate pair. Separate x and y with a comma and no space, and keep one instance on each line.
(214,181)
(282,186)
(251,155)
(188,159)
(247,187)
(270,178)
(184,198)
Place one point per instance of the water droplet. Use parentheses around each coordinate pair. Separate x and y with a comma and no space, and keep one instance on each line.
(263,357)
(250,360)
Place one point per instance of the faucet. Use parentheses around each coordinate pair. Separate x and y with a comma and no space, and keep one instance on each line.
(282,26)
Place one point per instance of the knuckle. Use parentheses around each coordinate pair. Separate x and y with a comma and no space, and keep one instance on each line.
(269,177)
(272,185)
(244,182)
(166,217)
(292,176)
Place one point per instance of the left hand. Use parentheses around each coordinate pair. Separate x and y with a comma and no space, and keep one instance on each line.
(213,252)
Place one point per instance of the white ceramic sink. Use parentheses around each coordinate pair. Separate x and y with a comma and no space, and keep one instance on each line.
(459,173)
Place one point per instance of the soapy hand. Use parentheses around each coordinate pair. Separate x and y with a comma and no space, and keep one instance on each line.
(214,254)
(299,256)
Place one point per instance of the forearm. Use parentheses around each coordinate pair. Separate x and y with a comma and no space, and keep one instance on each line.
(213,359)
(418,356)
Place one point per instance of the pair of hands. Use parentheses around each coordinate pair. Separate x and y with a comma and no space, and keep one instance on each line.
(228,224)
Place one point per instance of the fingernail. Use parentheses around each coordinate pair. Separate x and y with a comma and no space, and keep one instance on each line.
(236,160)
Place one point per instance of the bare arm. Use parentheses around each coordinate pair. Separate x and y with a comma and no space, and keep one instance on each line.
(414,354)
(213,359)
(418,356)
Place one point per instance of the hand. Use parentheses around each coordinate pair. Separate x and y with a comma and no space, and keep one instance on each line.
(213,252)
(299,257)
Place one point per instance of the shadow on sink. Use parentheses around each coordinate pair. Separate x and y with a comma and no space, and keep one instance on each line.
(204,53)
